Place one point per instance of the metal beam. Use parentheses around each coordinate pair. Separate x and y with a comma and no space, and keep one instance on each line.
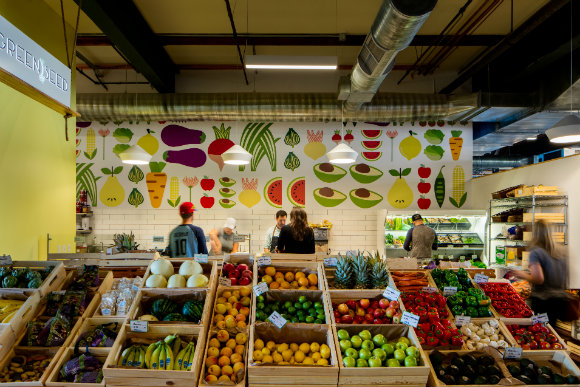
(129,32)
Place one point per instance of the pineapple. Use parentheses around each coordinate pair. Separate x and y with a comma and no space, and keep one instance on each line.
(361,272)
(380,275)
(343,276)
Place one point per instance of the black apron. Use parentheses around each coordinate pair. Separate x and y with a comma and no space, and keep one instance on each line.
(274,243)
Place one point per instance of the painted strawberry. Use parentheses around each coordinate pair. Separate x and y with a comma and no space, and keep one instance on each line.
(207,184)
(207,201)
(424,172)
(336,137)
(424,203)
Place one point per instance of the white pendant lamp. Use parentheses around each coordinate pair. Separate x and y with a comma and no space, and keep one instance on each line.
(135,155)
(566,131)
(342,154)
(237,155)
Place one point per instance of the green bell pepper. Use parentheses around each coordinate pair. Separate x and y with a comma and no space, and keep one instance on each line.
(484,311)
(472,312)
(471,301)
(454,300)
(461,293)
(457,310)
(472,291)
(485,301)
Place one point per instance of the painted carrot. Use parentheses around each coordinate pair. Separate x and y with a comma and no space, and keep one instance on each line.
(156,180)
(439,187)
(456,143)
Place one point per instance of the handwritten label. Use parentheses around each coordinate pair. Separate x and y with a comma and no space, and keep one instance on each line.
(223,281)
(513,353)
(410,319)
(139,326)
(260,288)
(480,278)
(239,238)
(265,260)
(331,262)
(462,320)
(276,319)
(449,290)
(391,294)
(540,318)
(200,258)
(429,289)
(105,312)
(5,260)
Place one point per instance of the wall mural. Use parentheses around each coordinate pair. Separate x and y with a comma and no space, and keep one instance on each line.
(420,165)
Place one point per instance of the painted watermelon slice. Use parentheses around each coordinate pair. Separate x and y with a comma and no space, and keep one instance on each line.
(372,145)
(273,192)
(371,134)
(372,156)
(297,192)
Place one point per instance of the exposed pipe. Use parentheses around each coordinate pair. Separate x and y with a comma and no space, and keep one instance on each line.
(486,162)
(393,29)
(269,107)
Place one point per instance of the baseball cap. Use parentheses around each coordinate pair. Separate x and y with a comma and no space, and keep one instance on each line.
(230,223)
(186,208)
(416,217)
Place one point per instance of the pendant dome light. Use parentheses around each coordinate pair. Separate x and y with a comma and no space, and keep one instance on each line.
(135,155)
(342,153)
(566,131)
(237,155)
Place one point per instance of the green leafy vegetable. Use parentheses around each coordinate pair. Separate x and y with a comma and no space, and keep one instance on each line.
(434,152)
(87,181)
(123,135)
(434,136)
(119,148)
(259,141)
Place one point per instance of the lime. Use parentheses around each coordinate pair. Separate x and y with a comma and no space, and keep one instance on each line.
(312,312)
(291,310)
(287,304)
(260,299)
(260,305)
(300,312)
(310,319)
(302,299)
(307,305)
(294,319)
(318,305)
(302,318)
(298,305)
(318,321)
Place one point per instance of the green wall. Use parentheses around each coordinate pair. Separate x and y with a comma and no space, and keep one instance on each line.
(37,164)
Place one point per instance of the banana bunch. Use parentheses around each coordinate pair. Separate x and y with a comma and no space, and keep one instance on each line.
(8,309)
(133,356)
(160,355)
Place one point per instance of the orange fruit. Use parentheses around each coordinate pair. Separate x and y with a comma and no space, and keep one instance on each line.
(313,279)
(299,275)
(294,284)
(289,276)
(270,270)
(302,288)
(313,288)
(303,281)
(275,285)
(267,279)
(285,285)
(280,279)
(278,274)
(244,292)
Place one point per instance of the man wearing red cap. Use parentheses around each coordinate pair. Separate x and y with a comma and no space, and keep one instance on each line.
(186,240)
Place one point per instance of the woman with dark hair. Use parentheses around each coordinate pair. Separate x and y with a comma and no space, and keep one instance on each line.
(547,273)
(297,237)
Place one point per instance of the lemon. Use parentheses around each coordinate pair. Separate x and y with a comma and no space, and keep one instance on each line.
(259,344)
(294,347)
(316,356)
(277,358)
(299,356)
(267,359)
(282,347)
(271,345)
(149,143)
(305,347)
(410,147)
(258,355)
(324,351)
(314,347)
(322,362)
(308,361)
(265,351)
(287,355)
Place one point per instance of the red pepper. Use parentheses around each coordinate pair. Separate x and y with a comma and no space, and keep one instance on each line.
(447,335)
(445,322)
(438,326)
(441,300)
(457,341)
(419,299)
(455,332)
(426,327)
(443,343)
(432,341)
(421,340)
(429,334)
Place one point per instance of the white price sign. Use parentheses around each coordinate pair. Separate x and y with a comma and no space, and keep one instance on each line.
(276,319)
(480,278)
(260,288)
(449,290)
(429,289)
(200,258)
(462,320)
(513,353)
(410,319)
(139,326)
(264,261)
(540,318)
(330,262)
(391,294)
(223,281)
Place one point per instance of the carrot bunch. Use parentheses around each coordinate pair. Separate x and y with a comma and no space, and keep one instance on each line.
(410,281)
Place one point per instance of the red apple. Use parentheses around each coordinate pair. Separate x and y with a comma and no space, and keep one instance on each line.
(359,319)
(557,346)
(334,305)
(378,321)
(369,318)
(342,309)
(351,304)
(397,318)
(234,274)
(242,266)
(384,303)
(360,312)
(379,313)
(545,345)
(346,319)
(234,281)
(533,344)
(390,312)
(374,304)
(336,314)
(424,203)
(207,201)
(372,310)
(244,281)
(228,267)
(394,304)
(364,303)
(247,273)
(351,313)
(207,184)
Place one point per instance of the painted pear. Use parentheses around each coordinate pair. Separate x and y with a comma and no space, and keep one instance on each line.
(149,143)
(112,194)
(410,147)
(400,195)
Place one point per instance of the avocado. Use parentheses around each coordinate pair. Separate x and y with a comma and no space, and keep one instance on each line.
(365,174)
(558,379)
(572,379)
(227,193)
(328,197)
(364,198)
(544,379)
(514,369)
(530,373)
(545,370)
(459,362)
(329,173)
(493,379)
(452,370)
(448,379)
(227,182)
(493,370)
(469,371)
(480,380)
(227,203)
(464,380)
(525,362)
(524,379)
(486,360)
(436,358)
(481,369)
(469,360)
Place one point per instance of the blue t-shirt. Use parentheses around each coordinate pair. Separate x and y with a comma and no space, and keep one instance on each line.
(186,240)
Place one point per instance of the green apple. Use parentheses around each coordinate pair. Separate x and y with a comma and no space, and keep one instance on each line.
(356,341)
(404,340)
(388,348)
(344,345)
(343,334)
(365,335)
(364,354)
(393,363)
(351,352)
(401,345)
(378,352)
(411,351)
(349,361)
(379,340)
(361,363)
(375,362)
(410,361)
(399,354)
(368,344)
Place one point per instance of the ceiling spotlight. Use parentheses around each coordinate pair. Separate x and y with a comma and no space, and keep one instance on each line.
(135,155)
(532,138)
(279,62)
(342,154)
(566,131)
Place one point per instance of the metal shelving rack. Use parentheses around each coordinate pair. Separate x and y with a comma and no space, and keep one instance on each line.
(498,206)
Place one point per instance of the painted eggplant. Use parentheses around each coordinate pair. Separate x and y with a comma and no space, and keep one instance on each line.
(191,157)
(177,135)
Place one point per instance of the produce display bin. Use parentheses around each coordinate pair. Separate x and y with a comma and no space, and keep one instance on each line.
(296,257)
(557,360)
(341,296)
(241,382)
(24,314)
(237,259)
(52,282)
(293,267)
(219,292)
(54,378)
(292,295)
(268,374)
(508,338)
(210,270)
(528,322)
(383,376)
(93,322)
(52,354)
(117,376)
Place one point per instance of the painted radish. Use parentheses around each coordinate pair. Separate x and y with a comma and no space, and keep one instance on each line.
(348,137)
(221,144)
(336,137)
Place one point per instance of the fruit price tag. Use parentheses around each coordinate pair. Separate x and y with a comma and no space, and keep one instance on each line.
(429,289)
(513,353)
(410,319)
(200,258)
(105,312)
(330,261)
(462,320)
(264,261)
(223,281)
(449,290)
(391,294)
(5,260)
(276,319)
(540,318)
(480,278)
(139,326)
(260,288)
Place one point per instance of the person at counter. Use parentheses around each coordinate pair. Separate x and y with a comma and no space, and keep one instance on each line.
(420,239)
(273,232)
(186,240)
(297,237)
(222,241)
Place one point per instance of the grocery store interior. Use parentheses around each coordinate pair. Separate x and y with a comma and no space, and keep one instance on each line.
(434,146)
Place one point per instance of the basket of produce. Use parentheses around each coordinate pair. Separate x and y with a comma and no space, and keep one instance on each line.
(375,309)
(371,355)
(412,280)
(544,368)
(118,299)
(291,275)
(232,308)
(225,359)
(98,332)
(24,367)
(486,332)
(239,269)
(505,300)
(471,240)
(16,309)
(296,306)
(538,336)
(357,272)
(182,273)
(180,306)
(473,303)
(28,276)
(76,367)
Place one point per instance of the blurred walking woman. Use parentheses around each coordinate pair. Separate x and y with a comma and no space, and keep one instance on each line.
(297,237)
(547,273)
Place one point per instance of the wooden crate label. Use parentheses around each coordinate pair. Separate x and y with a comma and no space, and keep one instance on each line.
(410,319)
(106,312)
(330,262)
(513,353)
(480,278)
(200,258)
(264,260)
(223,281)
(260,288)
(391,294)
(540,318)
(462,320)
(139,326)
(276,319)
(449,290)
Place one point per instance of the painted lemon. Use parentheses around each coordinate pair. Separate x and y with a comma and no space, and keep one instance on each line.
(410,147)
(149,143)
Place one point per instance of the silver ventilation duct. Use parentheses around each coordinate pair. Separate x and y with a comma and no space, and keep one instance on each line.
(269,107)
(487,163)
(393,29)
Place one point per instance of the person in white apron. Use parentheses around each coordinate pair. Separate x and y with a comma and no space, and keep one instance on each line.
(273,232)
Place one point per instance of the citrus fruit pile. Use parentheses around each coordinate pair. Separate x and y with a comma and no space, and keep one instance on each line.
(289,280)
(293,353)
(303,310)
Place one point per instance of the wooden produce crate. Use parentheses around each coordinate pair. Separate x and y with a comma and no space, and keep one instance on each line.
(406,263)
(297,257)
(92,323)
(538,190)
(292,295)
(383,376)
(558,361)
(340,296)
(118,376)
(210,270)
(21,337)
(528,322)
(146,297)
(268,374)
(236,259)
(55,380)
(7,341)
(241,377)
(549,217)
(508,338)
(307,268)
(504,193)
(558,237)
(52,355)
(220,293)
(52,282)
(24,314)
(397,274)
